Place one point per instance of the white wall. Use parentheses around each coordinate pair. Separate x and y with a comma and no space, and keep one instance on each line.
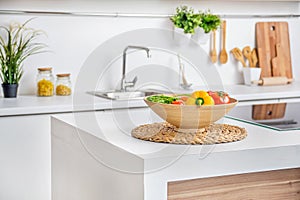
(26,175)
(72,39)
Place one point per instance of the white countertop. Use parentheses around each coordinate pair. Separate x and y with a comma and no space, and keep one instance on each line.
(115,128)
(31,104)
(106,137)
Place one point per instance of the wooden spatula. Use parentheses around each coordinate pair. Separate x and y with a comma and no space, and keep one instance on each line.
(213,52)
(223,53)
(237,53)
(247,54)
(254,57)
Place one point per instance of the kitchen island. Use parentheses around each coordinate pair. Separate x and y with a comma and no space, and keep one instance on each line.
(95,157)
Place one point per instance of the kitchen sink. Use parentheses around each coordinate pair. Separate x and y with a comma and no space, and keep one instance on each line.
(126,95)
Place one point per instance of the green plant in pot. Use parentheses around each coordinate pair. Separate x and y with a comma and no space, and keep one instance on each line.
(186,19)
(209,21)
(17,43)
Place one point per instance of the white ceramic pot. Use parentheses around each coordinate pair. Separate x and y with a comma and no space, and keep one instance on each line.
(180,37)
(200,36)
(251,74)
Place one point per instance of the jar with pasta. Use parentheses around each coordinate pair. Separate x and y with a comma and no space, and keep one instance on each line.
(63,85)
(45,82)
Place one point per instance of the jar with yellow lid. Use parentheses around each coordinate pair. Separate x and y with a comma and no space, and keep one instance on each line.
(63,85)
(45,82)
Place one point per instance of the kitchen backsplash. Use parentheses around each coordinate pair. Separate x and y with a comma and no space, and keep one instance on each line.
(72,39)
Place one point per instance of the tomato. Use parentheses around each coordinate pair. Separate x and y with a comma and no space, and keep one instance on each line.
(224,96)
(219,97)
(226,99)
(178,102)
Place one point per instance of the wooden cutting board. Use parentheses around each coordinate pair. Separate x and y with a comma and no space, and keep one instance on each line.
(273,47)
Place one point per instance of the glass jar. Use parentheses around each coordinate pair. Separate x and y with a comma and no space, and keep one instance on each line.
(63,85)
(45,82)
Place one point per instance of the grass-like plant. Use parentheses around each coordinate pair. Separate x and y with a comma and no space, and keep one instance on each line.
(16,44)
(186,19)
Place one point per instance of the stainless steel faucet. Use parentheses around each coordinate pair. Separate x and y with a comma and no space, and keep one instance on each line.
(125,84)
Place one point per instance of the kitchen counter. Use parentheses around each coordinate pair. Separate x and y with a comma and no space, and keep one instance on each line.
(95,148)
(31,104)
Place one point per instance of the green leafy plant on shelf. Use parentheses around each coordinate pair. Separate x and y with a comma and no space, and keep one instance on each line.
(16,45)
(209,21)
(186,19)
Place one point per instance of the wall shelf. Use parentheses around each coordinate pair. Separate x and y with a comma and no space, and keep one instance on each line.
(136,15)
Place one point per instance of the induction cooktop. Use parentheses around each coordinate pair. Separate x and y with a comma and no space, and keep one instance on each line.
(290,121)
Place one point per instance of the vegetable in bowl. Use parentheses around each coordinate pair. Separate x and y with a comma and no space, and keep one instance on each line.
(199,98)
(162,99)
(190,111)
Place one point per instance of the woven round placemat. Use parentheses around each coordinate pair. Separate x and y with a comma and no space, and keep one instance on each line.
(167,133)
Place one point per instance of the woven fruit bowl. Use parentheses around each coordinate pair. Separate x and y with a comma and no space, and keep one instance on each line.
(190,116)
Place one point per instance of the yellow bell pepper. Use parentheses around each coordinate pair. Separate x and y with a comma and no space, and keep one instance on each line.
(190,101)
(200,97)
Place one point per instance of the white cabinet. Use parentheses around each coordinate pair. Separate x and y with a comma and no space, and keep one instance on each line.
(25,158)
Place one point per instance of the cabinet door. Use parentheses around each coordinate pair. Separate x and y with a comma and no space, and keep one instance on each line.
(25,157)
(270,185)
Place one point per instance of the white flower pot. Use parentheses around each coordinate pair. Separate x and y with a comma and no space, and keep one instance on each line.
(251,74)
(180,37)
(200,36)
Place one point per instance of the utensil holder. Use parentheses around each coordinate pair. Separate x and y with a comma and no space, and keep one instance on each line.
(251,74)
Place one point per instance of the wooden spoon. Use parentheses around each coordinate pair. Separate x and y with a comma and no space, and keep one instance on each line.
(223,53)
(254,57)
(213,53)
(247,54)
(237,53)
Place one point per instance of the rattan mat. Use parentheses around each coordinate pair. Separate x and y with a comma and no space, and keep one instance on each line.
(167,133)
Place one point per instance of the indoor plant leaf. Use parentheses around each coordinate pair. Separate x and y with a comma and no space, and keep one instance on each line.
(186,19)
(209,21)
(16,46)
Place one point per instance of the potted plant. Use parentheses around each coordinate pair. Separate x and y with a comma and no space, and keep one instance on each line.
(185,20)
(17,43)
(209,22)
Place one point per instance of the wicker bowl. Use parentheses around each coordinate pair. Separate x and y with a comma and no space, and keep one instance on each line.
(191,116)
